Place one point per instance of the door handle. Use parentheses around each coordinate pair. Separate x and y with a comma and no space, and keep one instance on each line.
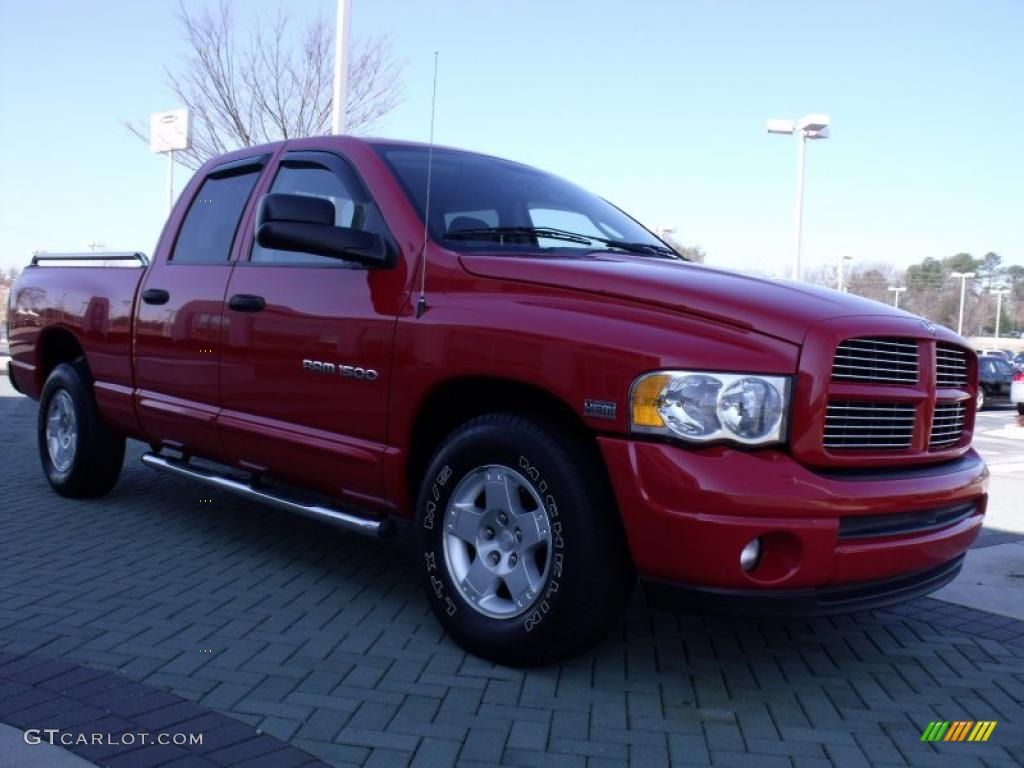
(155,296)
(246,302)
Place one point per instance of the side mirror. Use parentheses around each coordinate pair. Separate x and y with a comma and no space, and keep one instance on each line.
(305,224)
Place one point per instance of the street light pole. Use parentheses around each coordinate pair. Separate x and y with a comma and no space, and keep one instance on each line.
(812,126)
(799,217)
(340,68)
(896,298)
(963,277)
(842,262)
(999,293)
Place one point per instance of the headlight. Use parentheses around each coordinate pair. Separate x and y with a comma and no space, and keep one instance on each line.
(703,407)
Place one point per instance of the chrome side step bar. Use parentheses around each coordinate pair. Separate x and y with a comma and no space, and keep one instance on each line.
(364,525)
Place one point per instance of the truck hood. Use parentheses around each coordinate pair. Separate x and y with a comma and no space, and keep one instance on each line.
(779,308)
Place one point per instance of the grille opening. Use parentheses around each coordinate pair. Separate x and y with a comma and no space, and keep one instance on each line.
(888,360)
(947,424)
(950,366)
(851,425)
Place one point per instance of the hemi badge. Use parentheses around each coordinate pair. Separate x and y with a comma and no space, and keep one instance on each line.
(599,409)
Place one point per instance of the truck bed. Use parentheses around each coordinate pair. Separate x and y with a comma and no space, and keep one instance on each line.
(90,302)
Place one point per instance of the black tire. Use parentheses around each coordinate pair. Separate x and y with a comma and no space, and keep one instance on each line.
(584,590)
(982,400)
(1020,409)
(94,460)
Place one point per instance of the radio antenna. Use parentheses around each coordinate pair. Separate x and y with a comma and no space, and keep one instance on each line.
(421,305)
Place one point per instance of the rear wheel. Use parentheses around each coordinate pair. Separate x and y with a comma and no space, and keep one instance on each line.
(1020,408)
(81,455)
(521,543)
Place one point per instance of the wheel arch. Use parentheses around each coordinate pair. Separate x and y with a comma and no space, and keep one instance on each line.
(56,345)
(455,401)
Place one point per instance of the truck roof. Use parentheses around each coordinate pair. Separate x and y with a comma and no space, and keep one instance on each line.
(341,141)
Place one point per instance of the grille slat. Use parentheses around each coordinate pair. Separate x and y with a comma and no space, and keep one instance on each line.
(891,425)
(950,366)
(947,423)
(884,360)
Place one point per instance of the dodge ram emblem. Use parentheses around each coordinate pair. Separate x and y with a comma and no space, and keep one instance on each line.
(932,328)
(348,371)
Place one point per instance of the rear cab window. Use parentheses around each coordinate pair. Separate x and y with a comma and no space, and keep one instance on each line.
(209,228)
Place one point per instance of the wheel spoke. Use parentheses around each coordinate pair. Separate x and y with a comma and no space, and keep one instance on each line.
(497,491)
(523,582)
(534,526)
(464,522)
(480,579)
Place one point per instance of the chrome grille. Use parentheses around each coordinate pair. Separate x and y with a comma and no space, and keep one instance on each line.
(886,360)
(853,425)
(947,424)
(950,366)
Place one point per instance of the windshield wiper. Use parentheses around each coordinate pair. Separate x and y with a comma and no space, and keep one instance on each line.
(499,233)
(661,250)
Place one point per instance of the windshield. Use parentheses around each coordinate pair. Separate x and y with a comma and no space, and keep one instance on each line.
(479,202)
(1002,367)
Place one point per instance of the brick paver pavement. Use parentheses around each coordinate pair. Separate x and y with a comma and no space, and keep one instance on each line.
(322,639)
(108,719)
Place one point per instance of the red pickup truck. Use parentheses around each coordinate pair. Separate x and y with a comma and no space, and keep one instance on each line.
(375,332)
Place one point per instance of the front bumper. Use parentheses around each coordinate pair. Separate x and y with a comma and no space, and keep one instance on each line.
(824,601)
(689,512)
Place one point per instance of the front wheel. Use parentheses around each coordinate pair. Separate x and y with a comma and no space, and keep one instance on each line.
(81,455)
(1020,409)
(523,550)
(981,399)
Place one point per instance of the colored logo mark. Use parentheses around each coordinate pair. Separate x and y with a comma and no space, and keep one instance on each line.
(958,730)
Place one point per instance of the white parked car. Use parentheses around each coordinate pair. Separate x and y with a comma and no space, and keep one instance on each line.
(1017,391)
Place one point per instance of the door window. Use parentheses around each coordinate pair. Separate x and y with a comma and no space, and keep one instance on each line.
(353,208)
(212,220)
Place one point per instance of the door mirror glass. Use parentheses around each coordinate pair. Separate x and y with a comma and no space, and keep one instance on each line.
(305,224)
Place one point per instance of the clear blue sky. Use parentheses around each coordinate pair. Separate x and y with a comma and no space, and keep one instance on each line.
(658,106)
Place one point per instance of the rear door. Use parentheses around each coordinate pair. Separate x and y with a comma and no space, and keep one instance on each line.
(307,345)
(178,321)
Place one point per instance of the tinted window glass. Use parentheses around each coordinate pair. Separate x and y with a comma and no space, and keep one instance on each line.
(469,190)
(352,208)
(456,220)
(212,220)
(571,221)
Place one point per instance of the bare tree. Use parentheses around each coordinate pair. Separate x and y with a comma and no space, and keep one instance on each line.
(244,90)
(688,252)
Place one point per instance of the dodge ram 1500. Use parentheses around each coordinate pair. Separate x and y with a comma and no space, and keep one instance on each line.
(547,395)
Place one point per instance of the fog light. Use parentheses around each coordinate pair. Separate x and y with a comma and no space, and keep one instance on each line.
(751,555)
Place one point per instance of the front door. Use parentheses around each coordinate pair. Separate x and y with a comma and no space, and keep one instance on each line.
(306,357)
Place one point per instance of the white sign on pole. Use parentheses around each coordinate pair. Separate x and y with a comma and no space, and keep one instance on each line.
(169,131)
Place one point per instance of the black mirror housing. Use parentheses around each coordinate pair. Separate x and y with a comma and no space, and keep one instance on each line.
(277,206)
(305,224)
